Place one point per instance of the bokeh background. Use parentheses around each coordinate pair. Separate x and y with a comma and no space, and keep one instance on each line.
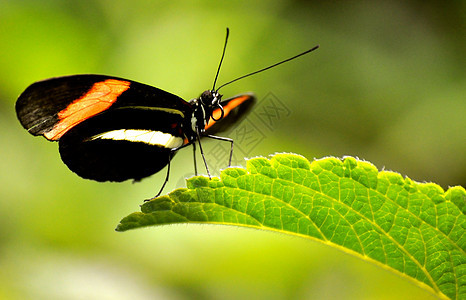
(387,85)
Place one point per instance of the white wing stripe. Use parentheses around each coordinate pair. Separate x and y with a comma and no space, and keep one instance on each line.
(156,138)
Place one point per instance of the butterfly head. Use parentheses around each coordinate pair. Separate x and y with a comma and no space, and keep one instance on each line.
(204,108)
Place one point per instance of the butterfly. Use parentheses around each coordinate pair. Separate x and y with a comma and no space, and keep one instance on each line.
(114,129)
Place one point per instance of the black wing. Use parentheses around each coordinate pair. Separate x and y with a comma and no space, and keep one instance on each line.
(108,128)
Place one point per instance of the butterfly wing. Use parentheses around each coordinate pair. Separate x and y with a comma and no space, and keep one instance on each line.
(108,128)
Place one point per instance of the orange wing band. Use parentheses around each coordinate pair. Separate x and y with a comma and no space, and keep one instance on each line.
(226,109)
(99,98)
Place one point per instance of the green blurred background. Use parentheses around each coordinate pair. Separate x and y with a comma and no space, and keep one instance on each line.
(387,85)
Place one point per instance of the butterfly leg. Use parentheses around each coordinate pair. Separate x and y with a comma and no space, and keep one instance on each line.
(202,153)
(221,138)
(170,155)
(194,159)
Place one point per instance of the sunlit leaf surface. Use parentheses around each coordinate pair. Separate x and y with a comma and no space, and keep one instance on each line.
(414,229)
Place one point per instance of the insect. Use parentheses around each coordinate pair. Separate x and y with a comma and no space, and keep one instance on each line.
(114,129)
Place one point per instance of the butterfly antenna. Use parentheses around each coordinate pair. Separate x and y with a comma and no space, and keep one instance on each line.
(221,60)
(269,67)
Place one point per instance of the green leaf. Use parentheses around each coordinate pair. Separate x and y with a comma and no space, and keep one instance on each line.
(414,229)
